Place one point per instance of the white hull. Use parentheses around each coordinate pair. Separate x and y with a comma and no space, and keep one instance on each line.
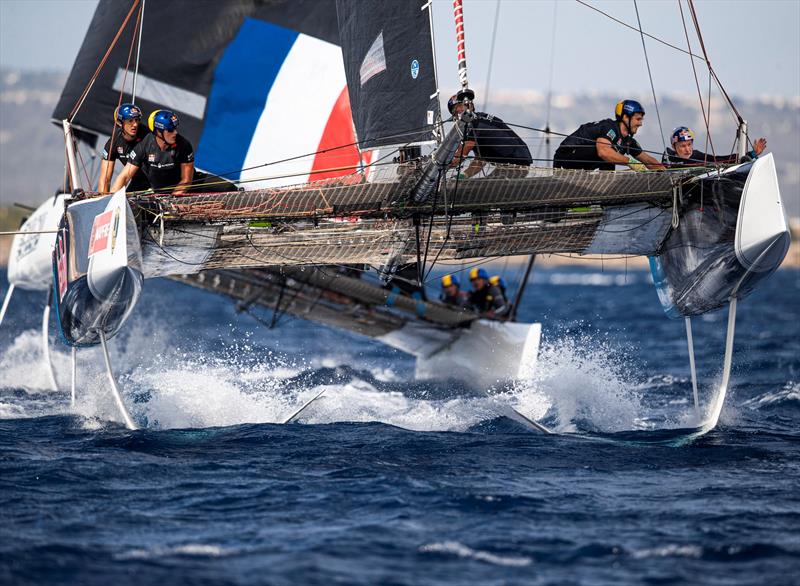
(487,353)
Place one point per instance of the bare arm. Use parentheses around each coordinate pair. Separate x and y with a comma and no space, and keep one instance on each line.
(606,152)
(106,171)
(463,152)
(187,174)
(124,177)
(650,162)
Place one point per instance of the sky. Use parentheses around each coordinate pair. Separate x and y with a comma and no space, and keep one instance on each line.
(753,46)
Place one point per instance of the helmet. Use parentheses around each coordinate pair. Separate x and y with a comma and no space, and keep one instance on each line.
(449,280)
(477,273)
(629,107)
(127,112)
(452,102)
(498,281)
(162,120)
(682,134)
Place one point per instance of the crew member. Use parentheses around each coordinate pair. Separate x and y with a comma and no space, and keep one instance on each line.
(500,283)
(128,132)
(165,157)
(492,142)
(682,152)
(452,293)
(604,144)
(485,297)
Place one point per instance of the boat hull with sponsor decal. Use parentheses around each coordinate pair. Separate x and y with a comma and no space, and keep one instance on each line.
(97,269)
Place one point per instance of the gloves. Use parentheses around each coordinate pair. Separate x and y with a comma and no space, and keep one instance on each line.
(634,164)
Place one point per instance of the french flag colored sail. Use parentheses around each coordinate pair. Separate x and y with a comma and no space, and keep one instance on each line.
(253,84)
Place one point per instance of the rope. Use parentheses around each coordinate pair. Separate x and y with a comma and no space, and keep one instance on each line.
(88,87)
(650,75)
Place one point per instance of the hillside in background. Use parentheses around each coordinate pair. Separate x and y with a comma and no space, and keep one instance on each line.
(32,160)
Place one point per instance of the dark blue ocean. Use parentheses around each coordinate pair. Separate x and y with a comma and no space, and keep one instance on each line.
(392,481)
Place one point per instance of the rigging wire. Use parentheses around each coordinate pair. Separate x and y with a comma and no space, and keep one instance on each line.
(708,62)
(650,75)
(638,30)
(140,28)
(491,57)
(550,78)
(706,116)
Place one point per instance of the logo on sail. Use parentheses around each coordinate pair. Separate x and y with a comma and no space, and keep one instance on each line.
(414,69)
(374,62)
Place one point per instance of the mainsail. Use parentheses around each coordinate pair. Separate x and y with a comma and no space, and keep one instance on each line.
(391,74)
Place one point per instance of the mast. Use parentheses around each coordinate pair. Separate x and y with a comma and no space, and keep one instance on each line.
(465,95)
(443,155)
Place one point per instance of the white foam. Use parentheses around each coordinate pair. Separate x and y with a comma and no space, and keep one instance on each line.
(789,393)
(187,549)
(671,550)
(167,386)
(462,551)
(581,381)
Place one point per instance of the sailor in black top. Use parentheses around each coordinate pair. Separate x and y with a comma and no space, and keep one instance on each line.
(684,154)
(165,157)
(485,297)
(604,144)
(128,132)
(492,141)
(452,294)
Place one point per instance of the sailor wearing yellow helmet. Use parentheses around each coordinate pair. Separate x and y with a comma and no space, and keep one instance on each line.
(604,144)
(164,156)
(486,298)
(452,293)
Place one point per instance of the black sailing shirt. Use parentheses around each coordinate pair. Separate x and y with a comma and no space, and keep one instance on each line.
(579,149)
(162,168)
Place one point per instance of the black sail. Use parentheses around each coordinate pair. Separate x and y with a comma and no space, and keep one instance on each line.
(388,60)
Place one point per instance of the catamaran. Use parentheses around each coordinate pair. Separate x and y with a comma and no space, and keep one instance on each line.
(326,116)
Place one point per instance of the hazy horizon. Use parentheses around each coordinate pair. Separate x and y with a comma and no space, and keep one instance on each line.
(528,32)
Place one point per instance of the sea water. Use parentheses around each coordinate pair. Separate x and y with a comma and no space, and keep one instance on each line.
(391,481)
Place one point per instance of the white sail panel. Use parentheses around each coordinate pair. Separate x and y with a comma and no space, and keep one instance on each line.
(296,114)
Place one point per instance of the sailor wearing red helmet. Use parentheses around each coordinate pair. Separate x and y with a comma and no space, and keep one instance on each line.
(683,153)
(607,143)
